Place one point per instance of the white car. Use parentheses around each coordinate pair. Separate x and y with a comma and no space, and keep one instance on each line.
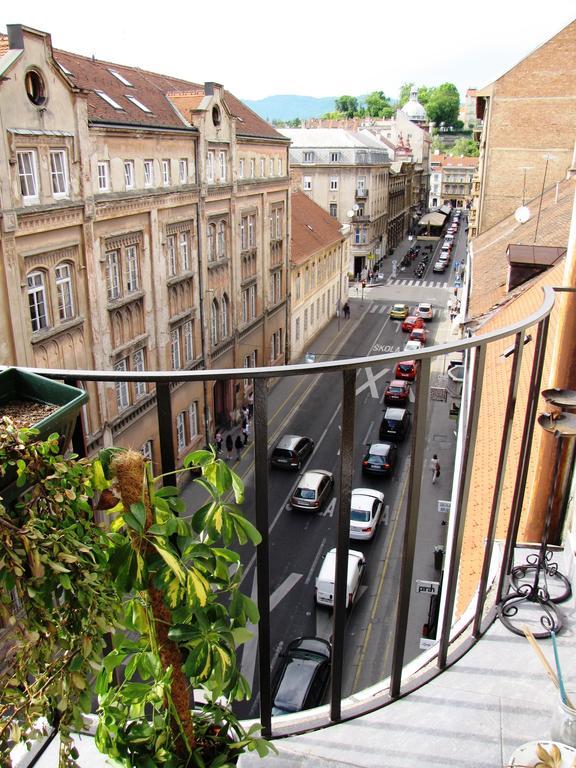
(413,345)
(325,579)
(366,509)
(425,310)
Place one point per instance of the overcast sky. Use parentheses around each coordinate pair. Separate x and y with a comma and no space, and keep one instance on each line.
(259,48)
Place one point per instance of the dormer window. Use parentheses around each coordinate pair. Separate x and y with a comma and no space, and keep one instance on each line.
(35,88)
(139,104)
(109,100)
(120,77)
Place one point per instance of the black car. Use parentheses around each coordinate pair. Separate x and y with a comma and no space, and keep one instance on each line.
(395,424)
(302,675)
(291,452)
(379,459)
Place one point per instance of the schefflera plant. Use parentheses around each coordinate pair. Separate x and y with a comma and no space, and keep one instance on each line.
(184,616)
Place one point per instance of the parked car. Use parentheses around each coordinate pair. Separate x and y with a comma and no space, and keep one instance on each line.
(397,392)
(444,257)
(419,334)
(405,370)
(379,459)
(395,424)
(312,490)
(399,311)
(326,577)
(411,322)
(425,310)
(291,452)
(366,510)
(302,675)
(412,346)
(440,266)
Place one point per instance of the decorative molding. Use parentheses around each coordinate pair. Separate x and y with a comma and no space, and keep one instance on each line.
(119,241)
(52,334)
(175,227)
(50,259)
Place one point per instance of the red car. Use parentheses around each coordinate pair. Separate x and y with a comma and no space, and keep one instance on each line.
(411,322)
(418,334)
(405,370)
(397,392)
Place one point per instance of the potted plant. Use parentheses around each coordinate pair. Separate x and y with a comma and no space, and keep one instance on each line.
(165,585)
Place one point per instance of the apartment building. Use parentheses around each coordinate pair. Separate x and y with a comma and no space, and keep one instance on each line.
(318,270)
(451,180)
(144,224)
(346,173)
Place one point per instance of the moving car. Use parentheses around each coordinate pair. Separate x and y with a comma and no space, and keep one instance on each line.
(302,675)
(412,346)
(291,452)
(425,310)
(325,579)
(418,334)
(399,311)
(312,490)
(379,459)
(405,370)
(440,266)
(395,424)
(366,509)
(397,392)
(411,322)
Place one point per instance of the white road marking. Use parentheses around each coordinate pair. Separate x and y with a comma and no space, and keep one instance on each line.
(328,510)
(371,383)
(308,578)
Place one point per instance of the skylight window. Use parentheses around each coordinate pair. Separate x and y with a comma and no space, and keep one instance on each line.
(65,70)
(120,77)
(109,100)
(139,104)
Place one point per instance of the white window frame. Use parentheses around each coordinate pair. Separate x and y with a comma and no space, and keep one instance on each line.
(262,167)
(252,301)
(184,249)
(147,450)
(308,157)
(64,291)
(252,168)
(28,175)
(37,300)
(128,174)
(333,183)
(171,255)
(334,157)
(241,168)
(214,312)
(183,170)
(188,334)
(271,167)
(166,173)
(113,274)
(103,175)
(244,233)
(148,173)
(122,389)
(279,165)
(334,207)
(252,230)
(245,305)
(222,160)
(193,419)
(181,431)
(175,357)
(221,240)
(210,165)
(224,314)
(211,238)
(307,183)
(139,365)
(59,173)
(132,271)
(297,329)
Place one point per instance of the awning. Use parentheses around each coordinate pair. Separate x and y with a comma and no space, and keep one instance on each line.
(435,219)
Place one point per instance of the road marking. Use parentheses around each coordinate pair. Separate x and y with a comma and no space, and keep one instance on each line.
(328,510)
(411,395)
(367,437)
(308,578)
(371,383)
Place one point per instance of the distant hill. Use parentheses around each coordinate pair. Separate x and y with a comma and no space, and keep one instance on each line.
(290,107)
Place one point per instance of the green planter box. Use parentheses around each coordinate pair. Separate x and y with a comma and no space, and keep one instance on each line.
(16,384)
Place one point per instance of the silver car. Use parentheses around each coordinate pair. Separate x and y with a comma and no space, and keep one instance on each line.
(312,490)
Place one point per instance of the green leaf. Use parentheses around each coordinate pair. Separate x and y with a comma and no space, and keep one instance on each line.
(171,560)
(199,458)
(241,635)
(167,491)
(139,511)
(132,522)
(238,487)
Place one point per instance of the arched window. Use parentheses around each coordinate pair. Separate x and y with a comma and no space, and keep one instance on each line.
(64,291)
(224,317)
(211,242)
(214,323)
(37,300)
(221,241)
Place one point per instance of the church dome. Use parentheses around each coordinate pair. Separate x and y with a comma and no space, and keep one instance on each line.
(413,108)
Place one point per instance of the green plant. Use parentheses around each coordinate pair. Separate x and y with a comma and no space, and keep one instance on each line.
(166,586)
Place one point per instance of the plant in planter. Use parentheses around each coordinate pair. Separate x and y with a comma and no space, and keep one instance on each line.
(167,587)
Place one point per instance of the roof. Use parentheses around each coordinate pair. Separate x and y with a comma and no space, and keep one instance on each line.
(435,219)
(167,100)
(313,229)
(330,137)
(490,262)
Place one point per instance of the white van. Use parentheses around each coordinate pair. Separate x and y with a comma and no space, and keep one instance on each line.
(325,579)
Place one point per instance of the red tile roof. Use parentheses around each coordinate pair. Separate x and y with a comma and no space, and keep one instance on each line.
(313,229)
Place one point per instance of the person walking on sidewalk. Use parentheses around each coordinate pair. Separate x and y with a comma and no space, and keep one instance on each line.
(238,445)
(219,440)
(246,430)
(435,468)
(229,447)
(346,310)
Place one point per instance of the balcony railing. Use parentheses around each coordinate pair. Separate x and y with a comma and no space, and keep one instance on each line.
(446,650)
(361,193)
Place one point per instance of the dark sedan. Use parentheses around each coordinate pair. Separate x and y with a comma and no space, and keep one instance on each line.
(379,459)
(302,675)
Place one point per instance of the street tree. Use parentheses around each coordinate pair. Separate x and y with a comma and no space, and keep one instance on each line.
(424,92)
(443,104)
(466,147)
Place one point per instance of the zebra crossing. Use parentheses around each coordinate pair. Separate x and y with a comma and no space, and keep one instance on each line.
(406,282)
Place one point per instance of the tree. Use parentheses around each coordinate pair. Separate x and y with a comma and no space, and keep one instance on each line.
(444,104)
(424,92)
(466,147)
(378,105)
(348,105)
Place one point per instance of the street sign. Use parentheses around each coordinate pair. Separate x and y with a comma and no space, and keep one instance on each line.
(444,507)
(427,587)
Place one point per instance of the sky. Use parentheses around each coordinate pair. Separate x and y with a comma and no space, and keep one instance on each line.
(260,48)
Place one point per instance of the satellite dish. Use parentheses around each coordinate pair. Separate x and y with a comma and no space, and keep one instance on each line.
(355,207)
(350,213)
(522,214)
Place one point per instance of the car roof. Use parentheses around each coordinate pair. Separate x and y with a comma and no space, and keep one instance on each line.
(312,478)
(398,383)
(399,304)
(311,645)
(425,304)
(413,344)
(288,441)
(406,362)
(379,449)
(353,554)
(394,413)
(364,497)
(298,674)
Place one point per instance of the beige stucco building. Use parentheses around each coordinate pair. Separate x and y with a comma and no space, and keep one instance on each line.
(144,224)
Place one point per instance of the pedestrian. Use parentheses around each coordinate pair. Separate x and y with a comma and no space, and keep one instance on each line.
(246,431)
(229,447)
(346,310)
(250,399)
(435,468)
(219,440)
(245,413)
(238,445)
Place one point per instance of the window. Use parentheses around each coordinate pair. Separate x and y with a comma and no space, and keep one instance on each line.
(103,176)
(120,77)
(129,174)
(225,317)
(109,100)
(28,175)
(307,183)
(221,240)
(298,286)
(64,292)
(308,157)
(210,166)
(305,321)
(182,344)
(252,300)
(276,344)
(148,173)
(131,269)
(241,168)
(271,167)
(333,182)
(139,364)
(35,88)
(147,450)
(252,168)
(262,167)
(166,173)
(122,271)
(334,157)
(113,275)
(138,103)
(37,301)
(361,183)
(171,252)
(175,348)
(183,169)
(249,304)
(214,323)
(334,210)
(276,286)
(277,216)
(181,431)
(279,164)
(252,231)
(193,418)
(122,391)
(222,162)
(59,172)
(184,243)
(188,333)
(312,314)
(211,242)
(297,330)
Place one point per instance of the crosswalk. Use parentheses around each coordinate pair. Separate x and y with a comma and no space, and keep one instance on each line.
(417,283)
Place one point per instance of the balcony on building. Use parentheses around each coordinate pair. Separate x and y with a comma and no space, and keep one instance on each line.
(361,193)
